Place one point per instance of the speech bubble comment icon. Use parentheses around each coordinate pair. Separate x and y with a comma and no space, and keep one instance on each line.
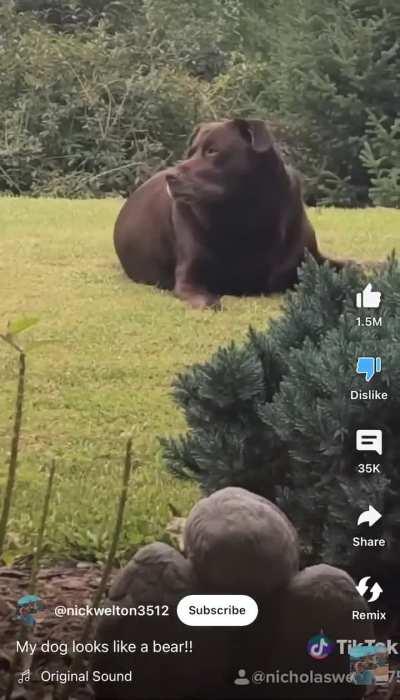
(369,441)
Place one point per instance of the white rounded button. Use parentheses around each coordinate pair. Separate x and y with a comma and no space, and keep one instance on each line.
(217,610)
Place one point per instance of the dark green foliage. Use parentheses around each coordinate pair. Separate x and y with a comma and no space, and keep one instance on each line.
(275,416)
(381,157)
(335,63)
(219,400)
(102,93)
(97,110)
(73,15)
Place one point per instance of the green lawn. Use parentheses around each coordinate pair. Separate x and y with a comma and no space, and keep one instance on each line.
(116,348)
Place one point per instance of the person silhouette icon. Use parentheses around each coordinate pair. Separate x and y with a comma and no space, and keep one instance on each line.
(241,678)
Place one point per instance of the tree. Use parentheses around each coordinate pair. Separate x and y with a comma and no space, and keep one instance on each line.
(381,157)
(94,108)
(102,93)
(332,64)
(75,15)
(275,416)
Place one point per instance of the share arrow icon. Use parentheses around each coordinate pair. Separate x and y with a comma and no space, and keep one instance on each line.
(370,516)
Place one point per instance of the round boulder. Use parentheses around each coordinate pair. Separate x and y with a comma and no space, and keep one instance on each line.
(169,660)
(318,608)
(239,542)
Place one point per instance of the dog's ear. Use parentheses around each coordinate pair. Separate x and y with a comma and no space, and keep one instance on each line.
(255,132)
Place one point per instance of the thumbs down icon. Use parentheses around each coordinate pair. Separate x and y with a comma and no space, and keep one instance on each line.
(369,366)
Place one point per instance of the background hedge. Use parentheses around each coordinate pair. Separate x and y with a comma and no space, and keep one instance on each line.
(98,94)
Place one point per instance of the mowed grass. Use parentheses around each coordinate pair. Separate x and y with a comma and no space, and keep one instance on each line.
(116,346)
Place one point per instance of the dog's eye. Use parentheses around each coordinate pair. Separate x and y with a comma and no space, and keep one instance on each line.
(210,151)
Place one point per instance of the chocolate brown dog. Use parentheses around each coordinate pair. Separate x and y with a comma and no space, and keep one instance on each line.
(229,219)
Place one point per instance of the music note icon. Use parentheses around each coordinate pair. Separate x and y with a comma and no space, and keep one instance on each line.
(24,676)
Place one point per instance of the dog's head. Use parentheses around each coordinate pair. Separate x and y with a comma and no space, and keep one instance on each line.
(224,160)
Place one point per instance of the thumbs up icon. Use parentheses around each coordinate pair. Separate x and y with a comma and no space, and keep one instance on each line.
(367,299)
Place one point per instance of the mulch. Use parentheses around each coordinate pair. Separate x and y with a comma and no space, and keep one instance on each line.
(69,584)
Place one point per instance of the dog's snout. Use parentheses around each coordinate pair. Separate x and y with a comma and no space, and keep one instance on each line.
(177,174)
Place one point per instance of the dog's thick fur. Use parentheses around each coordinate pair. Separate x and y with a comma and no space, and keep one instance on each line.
(229,219)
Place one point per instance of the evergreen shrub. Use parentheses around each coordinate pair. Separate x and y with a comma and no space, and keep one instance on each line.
(274,415)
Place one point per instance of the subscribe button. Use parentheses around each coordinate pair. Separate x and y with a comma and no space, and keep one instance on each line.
(217,610)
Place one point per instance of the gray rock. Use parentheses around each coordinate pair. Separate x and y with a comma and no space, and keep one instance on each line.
(157,575)
(318,598)
(239,542)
